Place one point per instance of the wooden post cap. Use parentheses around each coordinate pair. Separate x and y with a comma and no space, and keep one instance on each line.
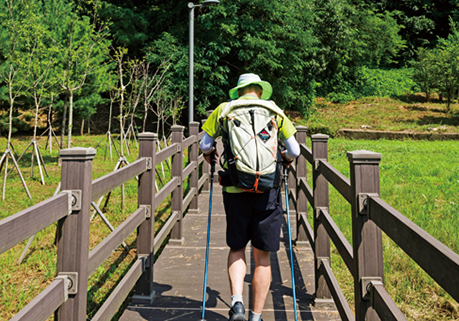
(177,128)
(148,136)
(320,138)
(194,124)
(364,156)
(301,128)
(77,153)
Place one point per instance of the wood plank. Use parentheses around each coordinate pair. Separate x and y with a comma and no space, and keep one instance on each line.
(187,142)
(341,303)
(188,198)
(308,229)
(202,180)
(306,152)
(383,303)
(342,245)
(187,171)
(292,198)
(117,297)
(105,248)
(439,261)
(18,227)
(165,230)
(105,184)
(201,135)
(200,159)
(165,191)
(44,305)
(338,180)
(167,152)
(307,190)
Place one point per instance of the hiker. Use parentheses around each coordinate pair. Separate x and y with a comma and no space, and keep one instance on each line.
(251,180)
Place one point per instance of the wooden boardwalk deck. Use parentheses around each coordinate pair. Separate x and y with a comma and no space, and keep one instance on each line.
(179,276)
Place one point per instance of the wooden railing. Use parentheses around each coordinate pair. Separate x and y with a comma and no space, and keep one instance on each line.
(66,297)
(370,214)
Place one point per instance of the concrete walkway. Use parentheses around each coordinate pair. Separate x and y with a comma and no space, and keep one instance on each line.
(179,276)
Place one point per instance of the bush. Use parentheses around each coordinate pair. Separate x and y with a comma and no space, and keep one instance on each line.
(375,83)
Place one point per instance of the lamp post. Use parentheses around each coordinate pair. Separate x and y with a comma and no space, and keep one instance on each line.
(191,6)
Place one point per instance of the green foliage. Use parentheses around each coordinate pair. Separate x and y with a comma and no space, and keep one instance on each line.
(438,68)
(425,71)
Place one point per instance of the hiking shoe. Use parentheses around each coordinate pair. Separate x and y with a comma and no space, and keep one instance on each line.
(236,312)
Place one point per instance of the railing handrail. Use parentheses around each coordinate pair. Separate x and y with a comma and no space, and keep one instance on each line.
(370,212)
(16,228)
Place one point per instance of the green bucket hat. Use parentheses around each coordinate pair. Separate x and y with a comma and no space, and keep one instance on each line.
(247,79)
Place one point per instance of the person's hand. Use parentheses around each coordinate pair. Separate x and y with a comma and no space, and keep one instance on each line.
(286,161)
(208,156)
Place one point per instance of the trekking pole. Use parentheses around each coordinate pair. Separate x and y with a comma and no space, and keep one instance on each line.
(212,171)
(290,240)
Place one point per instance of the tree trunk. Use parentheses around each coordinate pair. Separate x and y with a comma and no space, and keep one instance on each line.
(82,128)
(69,141)
(64,119)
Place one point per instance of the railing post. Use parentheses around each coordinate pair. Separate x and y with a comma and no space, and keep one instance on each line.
(194,177)
(177,194)
(73,231)
(301,199)
(144,293)
(366,236)
(321,200)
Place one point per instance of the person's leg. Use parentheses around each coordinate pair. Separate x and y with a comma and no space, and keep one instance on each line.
(237,269)
(261,280)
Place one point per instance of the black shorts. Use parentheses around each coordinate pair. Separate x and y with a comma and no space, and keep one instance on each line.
(255,217)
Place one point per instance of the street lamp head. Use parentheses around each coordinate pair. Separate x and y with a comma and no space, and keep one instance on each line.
(210,2)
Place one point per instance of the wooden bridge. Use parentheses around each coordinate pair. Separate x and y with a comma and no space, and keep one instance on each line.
(170,288)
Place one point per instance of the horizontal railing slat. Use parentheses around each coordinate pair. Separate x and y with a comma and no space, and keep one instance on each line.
(18,227)
(341,243)
(292,198)
(439,261)
(202,180)
(166,153)
(187,142)
(308,229)
(187,171)
(344,310)
(105,184)
(189,197)
(105,248)
(44,304)
(165,230)
(201,135)
(200,159)
(338,180)
(304,186)
(384,305)
(165,191)
(306,152)
(117,297)
(292,170)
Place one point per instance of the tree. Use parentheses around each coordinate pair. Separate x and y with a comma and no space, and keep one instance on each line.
(82,51)
(447,64)
(425,71)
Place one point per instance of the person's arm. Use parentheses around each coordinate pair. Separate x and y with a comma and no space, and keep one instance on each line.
(293,148)
(207,143)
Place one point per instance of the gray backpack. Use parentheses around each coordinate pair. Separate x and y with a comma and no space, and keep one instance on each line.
(251,145)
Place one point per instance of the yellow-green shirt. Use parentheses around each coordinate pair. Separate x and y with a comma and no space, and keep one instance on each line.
(213,129)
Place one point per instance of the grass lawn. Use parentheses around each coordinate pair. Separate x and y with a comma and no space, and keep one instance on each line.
(421,180)
(406,114)
(19,284)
